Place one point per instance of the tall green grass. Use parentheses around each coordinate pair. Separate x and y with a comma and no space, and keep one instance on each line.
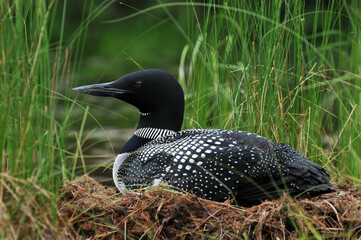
(278,69)
(35,78)
(28,169)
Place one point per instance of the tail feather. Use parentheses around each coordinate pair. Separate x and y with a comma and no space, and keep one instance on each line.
(301,177)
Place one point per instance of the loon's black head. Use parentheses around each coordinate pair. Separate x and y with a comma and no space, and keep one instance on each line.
(156,94)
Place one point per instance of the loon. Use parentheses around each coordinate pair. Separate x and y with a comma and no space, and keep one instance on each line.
(211,163)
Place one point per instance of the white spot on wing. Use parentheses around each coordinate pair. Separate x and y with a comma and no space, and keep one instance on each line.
(156,182)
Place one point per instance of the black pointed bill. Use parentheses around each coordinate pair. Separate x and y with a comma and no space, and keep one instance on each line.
(101,89)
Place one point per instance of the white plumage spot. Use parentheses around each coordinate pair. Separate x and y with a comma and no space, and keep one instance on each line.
(156,182)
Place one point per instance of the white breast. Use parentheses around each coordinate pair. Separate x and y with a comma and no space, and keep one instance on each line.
(117,163)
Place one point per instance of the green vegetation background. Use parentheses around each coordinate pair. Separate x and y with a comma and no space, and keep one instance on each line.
(287,70)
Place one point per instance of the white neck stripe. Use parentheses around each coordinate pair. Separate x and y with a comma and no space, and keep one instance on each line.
(144,114)
(152,133)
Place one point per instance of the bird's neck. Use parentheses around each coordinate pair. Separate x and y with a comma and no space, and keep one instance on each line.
(133,144)
(155,124)
(170,118)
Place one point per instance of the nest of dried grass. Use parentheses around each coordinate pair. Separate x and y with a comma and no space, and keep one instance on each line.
(92,211)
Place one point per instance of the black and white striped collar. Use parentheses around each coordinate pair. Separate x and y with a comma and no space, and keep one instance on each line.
(152,133)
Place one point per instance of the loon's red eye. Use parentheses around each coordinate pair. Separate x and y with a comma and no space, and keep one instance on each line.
(139,84)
